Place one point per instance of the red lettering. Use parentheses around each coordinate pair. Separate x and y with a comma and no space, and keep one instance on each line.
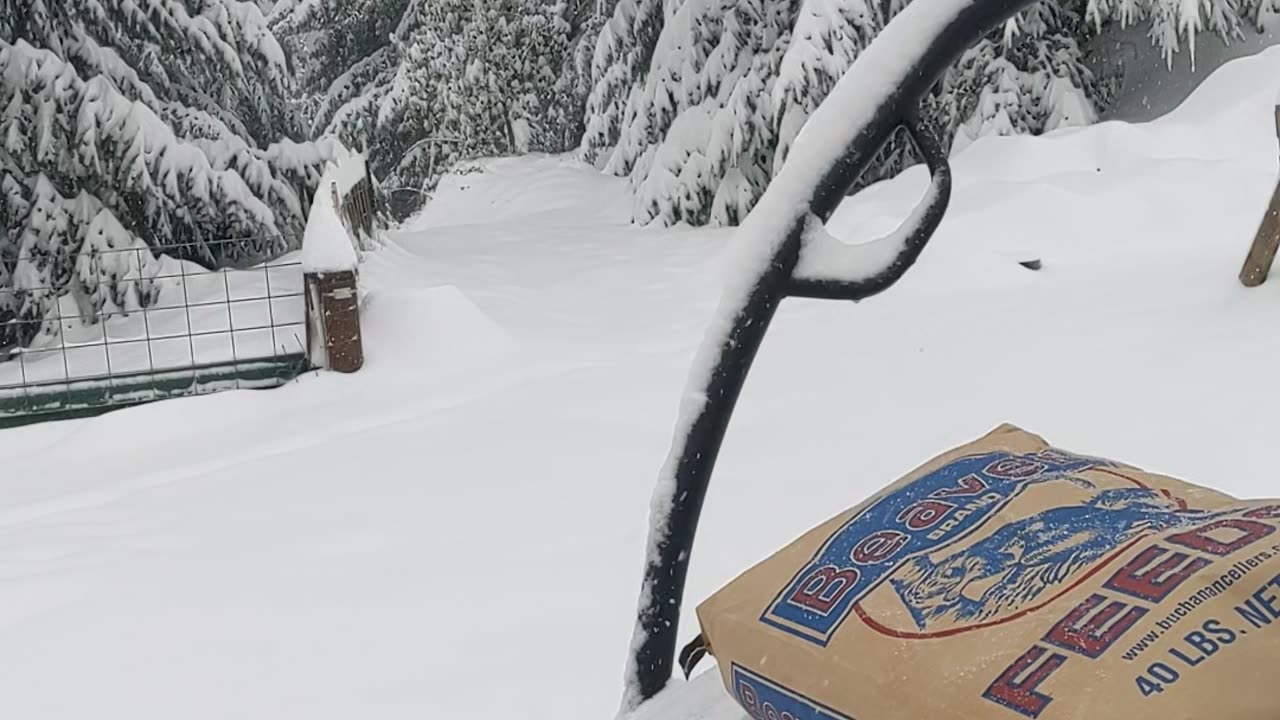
(823,588)
(1266,512)
(878,547)
(968,485)
(1153,583)
(1199,539)
(1015,468)
(925,514)
(1021,696)
(1090,633)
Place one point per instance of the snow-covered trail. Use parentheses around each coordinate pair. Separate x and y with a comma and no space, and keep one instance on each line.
(457,529)
(385,543)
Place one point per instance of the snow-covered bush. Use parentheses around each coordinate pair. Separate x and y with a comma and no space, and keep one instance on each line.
(147,125)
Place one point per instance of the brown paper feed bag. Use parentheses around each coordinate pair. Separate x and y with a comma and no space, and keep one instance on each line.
(1006,579)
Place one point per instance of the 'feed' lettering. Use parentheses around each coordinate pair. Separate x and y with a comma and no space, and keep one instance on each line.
(1016,686)
(1090,628)
(1155,573)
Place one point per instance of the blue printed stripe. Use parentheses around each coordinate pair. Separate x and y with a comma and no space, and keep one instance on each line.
(937,509)
(766,700)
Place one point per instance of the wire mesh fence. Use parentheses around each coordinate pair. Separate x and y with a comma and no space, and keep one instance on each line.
(104,327)
(359,211)
(151,326)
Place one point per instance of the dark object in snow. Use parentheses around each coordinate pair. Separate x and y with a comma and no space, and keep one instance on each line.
(884,86)
(1030,264)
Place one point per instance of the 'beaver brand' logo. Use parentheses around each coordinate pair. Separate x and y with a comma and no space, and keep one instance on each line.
(917,549)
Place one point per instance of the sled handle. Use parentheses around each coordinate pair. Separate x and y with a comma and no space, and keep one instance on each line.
(654,653)
(918,227)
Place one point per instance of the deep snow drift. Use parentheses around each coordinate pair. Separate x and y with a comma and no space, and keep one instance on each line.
(457,530)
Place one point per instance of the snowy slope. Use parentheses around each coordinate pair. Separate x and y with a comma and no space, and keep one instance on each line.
(457,529)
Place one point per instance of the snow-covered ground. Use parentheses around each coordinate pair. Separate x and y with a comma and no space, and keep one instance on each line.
(457,529)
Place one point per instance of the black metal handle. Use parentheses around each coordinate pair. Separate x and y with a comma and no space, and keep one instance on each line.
(910,237)
(893,73)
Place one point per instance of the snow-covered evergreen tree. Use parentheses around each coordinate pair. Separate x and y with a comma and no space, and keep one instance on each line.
(745,73)
(1172,23)
(714,61)
(1031,79)
(674,84)
(339,50)
(624,48)
(481,78)
(657,62)
(828,35)
(744,134)
(130,123)
(440,81)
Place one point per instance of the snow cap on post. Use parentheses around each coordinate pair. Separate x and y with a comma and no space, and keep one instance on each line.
(326,244)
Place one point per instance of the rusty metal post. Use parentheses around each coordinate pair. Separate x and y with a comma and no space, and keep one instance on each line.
(1263,251)
(333,321)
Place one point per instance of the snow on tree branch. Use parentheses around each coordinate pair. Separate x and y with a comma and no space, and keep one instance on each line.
(135,127)
(655,61)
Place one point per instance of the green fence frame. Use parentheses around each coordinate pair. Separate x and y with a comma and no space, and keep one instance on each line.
(86,397)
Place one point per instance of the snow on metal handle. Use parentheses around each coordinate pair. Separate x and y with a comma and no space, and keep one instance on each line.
(833,270)
(878,94)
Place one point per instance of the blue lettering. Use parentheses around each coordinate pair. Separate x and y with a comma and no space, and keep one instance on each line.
(766,700)
(975,488)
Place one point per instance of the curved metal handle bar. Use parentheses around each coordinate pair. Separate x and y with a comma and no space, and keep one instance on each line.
(895,71)
(918,229)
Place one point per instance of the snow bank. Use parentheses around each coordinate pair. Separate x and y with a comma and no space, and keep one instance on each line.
(438,329)
(326,244)
(1226,127)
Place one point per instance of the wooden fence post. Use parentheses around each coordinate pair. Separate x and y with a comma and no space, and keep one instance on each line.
(334,340)
(333,321)
(1263,251)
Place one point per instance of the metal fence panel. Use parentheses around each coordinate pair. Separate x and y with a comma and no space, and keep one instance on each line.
(194,331)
